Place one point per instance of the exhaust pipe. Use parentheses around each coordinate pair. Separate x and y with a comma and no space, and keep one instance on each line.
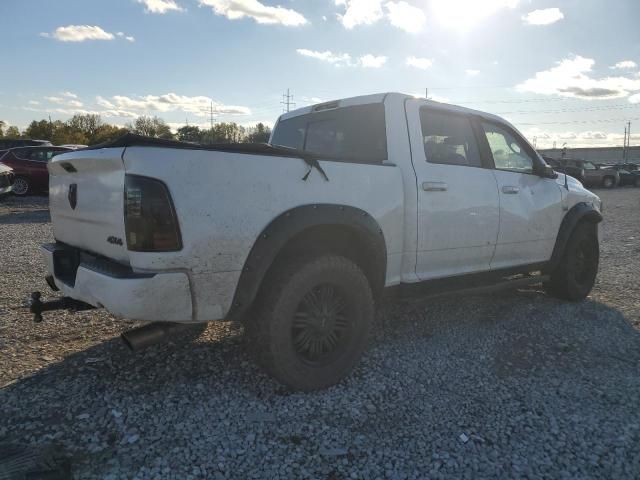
(142,337)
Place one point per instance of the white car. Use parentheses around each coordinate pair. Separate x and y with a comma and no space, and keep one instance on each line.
(6,178)
(298,238)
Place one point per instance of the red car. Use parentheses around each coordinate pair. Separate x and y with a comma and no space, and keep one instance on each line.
(30,167)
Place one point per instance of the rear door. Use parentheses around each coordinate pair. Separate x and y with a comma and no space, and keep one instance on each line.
(530,206)
(457,195)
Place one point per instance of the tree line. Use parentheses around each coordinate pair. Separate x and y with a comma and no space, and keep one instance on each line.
(90,129)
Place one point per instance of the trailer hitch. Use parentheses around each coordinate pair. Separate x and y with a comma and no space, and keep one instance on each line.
(37,306)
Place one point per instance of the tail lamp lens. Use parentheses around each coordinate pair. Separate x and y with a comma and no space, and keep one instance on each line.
(150,219)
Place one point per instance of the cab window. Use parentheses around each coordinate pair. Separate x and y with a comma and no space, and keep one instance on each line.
(509,152)
(449,139)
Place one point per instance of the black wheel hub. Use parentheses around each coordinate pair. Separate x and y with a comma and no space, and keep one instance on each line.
(321,325)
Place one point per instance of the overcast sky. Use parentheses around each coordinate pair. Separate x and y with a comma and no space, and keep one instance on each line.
(560,70)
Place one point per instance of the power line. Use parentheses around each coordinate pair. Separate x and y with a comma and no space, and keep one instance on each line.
(287,101)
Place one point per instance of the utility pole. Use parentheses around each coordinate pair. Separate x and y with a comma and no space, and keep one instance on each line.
(624,145)
(628,141)
(287,101)
(211,116)
(426,93)
(535,141)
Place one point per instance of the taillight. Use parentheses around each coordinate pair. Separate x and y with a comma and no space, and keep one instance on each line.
(150,219)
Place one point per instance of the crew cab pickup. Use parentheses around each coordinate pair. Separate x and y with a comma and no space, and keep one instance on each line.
(298,238)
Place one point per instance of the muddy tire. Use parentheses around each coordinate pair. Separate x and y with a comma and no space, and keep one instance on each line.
(575,276)
(312,322)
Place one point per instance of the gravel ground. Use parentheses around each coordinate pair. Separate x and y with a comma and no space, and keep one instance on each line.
(512,385)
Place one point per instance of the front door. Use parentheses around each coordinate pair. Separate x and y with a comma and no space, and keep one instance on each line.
(457,194)
(530,206)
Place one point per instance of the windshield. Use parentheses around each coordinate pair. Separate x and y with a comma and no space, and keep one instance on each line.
(349,133)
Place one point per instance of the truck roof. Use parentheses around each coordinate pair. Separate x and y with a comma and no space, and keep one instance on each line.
(382,97)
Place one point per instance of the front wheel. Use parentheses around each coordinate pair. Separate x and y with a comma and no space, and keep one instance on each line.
(21,186)
(575,275)
(637,181)
(313,322)
(608,182)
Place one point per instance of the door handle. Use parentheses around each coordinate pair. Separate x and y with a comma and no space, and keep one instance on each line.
(434,186)
(510,190)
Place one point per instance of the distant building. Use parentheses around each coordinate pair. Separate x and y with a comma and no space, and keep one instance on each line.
(596,154)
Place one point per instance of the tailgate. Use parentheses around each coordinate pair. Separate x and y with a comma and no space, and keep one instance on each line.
(86,199)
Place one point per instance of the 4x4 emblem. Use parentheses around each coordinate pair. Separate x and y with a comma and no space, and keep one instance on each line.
(73,195)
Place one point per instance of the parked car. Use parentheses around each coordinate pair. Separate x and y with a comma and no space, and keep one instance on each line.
(558,166)
(30,167)
(299,237)
(6,179)
(594,175)
(628,174)
(7,143)
(74,146)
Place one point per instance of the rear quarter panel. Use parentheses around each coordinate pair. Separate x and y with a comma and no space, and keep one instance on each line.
(224,200)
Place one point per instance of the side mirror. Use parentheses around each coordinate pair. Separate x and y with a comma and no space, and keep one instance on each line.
(546,171)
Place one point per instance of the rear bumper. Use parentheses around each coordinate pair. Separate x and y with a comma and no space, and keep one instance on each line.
(124,293)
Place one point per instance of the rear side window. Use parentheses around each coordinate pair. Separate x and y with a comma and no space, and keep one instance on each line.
(355,133)
(449,139)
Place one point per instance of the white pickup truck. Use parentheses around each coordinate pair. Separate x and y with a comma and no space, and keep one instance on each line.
(299,237)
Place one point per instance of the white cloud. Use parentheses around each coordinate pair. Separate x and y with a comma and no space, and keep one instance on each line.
(238,9)
(635,98)
(67,99)
(34,102)
(344,59)
(372,61)
(404,16)
(198,105)
(419,62)
(625,64)
(545,16)
(465,14)
(130,39)
(161,6)
(575,139)
(571,77)
(360,12)
(472,72)
(326,56)
(79,33)
(367,12)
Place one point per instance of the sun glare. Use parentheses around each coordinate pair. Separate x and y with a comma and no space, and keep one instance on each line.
(464,15)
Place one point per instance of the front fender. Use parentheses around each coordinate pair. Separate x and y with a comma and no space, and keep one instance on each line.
(580,212)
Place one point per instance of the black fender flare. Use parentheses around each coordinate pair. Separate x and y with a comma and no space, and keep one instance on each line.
(292,222)
(582,211)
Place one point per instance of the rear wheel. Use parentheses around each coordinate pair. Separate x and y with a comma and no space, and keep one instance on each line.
(21,186)
(312,322)
(608,182)
(637,181)
(575,276)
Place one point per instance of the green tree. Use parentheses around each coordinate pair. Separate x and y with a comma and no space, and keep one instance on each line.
(106,133)
(40,130)
(151,127)
(190,133)
(258,134)
(12,132)
(2,125)
(87,124)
